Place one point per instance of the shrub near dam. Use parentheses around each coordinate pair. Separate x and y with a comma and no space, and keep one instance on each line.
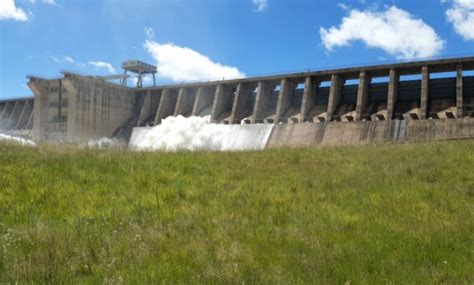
(366,214)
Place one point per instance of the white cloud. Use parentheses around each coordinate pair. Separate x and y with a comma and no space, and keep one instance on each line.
(461,16)
(343,6)
(63,59)
(97,64)
(184,64)
(101,64)
(8,11)
(394,30)
(260,4)
(68,59)
(50,2)
(150,34)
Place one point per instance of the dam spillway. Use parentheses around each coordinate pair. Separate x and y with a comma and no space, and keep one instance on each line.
(402,102)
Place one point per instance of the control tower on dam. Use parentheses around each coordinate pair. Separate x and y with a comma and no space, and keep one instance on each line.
(402,102)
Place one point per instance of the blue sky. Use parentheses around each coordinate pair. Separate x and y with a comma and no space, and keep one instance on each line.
(210,39)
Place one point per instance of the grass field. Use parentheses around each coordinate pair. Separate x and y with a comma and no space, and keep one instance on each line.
(371,214)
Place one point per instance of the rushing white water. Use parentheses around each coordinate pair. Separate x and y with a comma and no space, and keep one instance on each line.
(104,143)
(197,133)
(17,140)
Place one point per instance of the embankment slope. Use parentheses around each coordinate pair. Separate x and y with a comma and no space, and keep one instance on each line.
(366,214)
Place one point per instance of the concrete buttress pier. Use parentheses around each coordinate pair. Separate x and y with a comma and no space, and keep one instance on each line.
(204,101)
(285,98)
(223,103)
(78,108)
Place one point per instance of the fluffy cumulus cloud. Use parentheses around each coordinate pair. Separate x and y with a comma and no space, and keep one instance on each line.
(461,16)
(394,30)
(101,64)
(184,64)
(9,11)
(260,4)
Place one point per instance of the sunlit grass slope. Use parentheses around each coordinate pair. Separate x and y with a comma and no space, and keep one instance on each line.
(372,214)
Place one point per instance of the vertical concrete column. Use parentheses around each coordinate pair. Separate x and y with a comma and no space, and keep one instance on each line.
(2,108)
(72,118)
(203,100)
(91,110)
(5,111)
(181,101)
(13,115)
(335,92)
(198,102)
(29,124)
(307,98)
(220,101)
(459,93)
(258,104)
(40,91)
(158,106)
(100,122)
(362,95)
(392,96)
(237,105)
(425,85)
(284,98)
(2,111)
(146,108)
(185,103)
(28,114)
(60,100)
(93,128)
(264,92)
(155,96)
(23,116)
(241,100)
(78,106)
(166,106)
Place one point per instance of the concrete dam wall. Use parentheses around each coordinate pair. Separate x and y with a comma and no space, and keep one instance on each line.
(403,102)
(260,136)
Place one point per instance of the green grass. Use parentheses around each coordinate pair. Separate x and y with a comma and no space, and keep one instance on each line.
(370,214)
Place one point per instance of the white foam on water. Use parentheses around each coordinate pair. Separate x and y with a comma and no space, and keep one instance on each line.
(104,143)
(197,133)
(17,140)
